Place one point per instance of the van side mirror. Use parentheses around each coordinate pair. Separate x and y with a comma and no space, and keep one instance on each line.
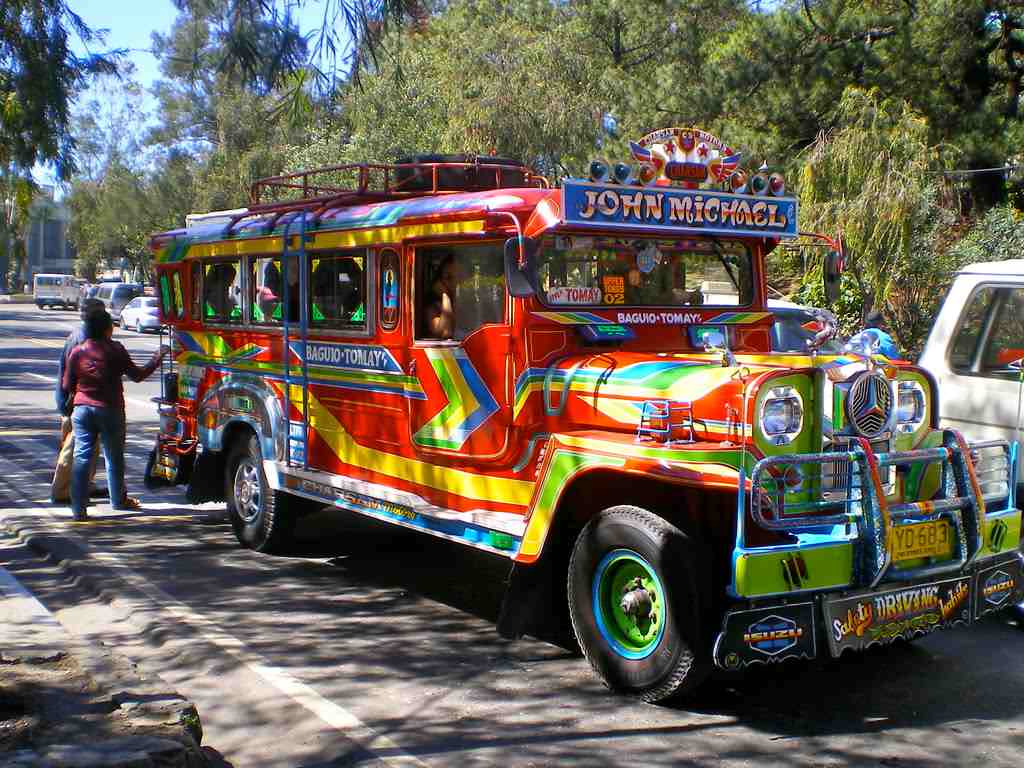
(520,266)
(832,274)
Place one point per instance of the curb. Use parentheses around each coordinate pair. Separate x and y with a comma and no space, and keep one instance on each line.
(16,298)
(145,703)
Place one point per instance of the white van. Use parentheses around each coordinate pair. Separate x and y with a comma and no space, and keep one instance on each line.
(56,290)
(976,352)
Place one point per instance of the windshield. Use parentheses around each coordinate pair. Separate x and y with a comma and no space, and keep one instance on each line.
(597,271)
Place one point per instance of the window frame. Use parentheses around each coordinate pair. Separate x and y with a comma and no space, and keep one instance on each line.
(196,288)
(419,284)
(752,254)
(250,287)
(988,323)
(217,322)
(369,294)
(383,255)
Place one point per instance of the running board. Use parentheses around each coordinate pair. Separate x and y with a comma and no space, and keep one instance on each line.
(498,532)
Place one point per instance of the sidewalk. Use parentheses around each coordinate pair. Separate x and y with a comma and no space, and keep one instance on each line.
(64,702)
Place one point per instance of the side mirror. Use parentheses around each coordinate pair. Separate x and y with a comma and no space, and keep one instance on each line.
(832,274)
(520,266)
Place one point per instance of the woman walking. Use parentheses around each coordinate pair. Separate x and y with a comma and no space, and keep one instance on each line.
(93,373)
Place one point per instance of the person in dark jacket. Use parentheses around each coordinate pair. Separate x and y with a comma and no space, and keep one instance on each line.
(60,487)
(93,372)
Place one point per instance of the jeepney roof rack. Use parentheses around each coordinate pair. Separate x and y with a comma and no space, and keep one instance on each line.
(335,186)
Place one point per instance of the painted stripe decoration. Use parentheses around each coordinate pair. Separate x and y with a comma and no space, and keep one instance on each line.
(470,403)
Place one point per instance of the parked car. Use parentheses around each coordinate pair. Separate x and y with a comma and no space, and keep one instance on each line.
(141,314)
(976,352)
(116,296)
(55,291)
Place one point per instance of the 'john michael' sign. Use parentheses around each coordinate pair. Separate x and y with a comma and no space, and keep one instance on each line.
(662,208)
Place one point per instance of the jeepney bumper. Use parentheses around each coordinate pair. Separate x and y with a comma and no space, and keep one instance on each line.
(861,567)
(766,632)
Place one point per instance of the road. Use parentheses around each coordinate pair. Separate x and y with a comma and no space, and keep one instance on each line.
(377,647)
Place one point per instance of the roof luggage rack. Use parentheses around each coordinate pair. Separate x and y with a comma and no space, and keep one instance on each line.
(362,183)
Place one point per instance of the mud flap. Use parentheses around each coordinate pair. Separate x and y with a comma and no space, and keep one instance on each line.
(766,635)
(207,478)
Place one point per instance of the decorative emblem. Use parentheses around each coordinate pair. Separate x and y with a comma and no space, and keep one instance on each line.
(998,587)
(773,635)
(685,157)
(869,405)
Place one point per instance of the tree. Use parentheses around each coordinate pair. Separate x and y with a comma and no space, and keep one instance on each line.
(16,193)
(39,77)
(873,180)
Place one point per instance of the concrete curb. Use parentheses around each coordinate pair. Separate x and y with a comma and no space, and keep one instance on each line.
(144,702)
(16,298)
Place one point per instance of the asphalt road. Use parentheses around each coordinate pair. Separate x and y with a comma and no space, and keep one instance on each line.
(377,647)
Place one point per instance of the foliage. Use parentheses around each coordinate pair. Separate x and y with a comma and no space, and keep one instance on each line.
(997,236)
(872,180)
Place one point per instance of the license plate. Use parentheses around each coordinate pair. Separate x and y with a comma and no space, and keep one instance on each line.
(916,540)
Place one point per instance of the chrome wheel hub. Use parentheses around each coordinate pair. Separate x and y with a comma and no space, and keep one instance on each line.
(248,491)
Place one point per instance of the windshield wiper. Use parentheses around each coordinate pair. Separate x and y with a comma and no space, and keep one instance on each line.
(725,265)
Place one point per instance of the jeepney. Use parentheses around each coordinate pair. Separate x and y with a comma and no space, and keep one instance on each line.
(605,409)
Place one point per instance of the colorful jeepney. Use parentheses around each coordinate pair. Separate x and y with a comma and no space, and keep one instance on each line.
(605,409)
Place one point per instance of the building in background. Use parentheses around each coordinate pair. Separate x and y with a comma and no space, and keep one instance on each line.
(46,243)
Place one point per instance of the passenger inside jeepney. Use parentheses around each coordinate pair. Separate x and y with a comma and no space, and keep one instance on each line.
(268,295)
(218,291)
(440,301)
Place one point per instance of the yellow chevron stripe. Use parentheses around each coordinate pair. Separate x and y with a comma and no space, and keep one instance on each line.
(466,484)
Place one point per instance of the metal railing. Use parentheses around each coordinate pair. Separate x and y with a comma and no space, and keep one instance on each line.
(963,482)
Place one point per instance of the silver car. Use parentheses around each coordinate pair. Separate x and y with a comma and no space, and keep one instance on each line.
(141,314)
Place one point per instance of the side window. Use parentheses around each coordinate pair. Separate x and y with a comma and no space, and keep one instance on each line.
(266,291)
(388,284)
(167,306)
(972,323)
(1004,348)
(461,288)
(179,300)
(195,294)
(222,292)
(337,287)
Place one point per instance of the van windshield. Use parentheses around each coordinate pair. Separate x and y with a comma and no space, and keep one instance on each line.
(598,271)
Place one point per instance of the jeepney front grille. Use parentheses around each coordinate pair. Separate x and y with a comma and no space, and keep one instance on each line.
(835,475)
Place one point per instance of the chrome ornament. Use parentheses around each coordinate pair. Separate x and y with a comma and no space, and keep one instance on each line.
(869,405)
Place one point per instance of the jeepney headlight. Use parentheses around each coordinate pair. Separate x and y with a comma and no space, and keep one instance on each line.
(782,415)
(910,406)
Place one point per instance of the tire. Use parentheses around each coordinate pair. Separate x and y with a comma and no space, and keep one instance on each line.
(257,512)
(40,305)
(665,656)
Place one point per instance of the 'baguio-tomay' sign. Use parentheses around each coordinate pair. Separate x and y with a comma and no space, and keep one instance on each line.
(657,208)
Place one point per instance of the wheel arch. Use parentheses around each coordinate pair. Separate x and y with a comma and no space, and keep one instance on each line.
(537,585)
(238,403)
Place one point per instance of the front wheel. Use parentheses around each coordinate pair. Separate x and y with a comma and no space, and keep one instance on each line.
(256,510)
(636,604)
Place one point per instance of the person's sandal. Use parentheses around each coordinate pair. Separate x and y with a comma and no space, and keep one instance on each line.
(129,503)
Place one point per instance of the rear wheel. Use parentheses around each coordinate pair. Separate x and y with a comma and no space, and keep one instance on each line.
(636,604)
(257,511)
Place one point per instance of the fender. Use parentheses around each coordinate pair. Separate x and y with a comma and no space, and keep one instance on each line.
(241,398)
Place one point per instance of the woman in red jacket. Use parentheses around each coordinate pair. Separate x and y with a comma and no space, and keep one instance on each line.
(93,372)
